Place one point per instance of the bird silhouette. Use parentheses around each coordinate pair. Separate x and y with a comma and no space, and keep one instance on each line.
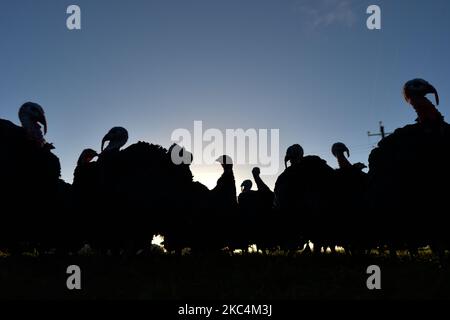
(30,185)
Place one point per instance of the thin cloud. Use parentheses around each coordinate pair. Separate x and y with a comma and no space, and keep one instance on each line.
(325,13)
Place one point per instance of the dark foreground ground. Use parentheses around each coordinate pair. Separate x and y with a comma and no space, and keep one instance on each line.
(162,277)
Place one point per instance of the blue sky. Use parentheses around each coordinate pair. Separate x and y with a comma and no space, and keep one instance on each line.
(310,68)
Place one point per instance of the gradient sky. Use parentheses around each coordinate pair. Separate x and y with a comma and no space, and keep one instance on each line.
(310,68)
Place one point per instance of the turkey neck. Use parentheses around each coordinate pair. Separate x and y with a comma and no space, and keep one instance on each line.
(343,161)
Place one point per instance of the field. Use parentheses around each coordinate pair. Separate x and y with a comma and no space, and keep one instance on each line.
(224,277)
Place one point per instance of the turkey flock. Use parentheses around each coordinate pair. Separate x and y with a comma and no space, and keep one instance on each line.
(121,197)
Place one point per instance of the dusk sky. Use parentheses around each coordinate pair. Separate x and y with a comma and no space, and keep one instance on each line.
(309,68)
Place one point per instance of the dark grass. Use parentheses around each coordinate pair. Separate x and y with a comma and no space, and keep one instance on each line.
(249,277)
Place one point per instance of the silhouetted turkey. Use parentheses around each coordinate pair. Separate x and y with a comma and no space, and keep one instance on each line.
(215,227)
(133,193)
(88,202)
(131,189)
(255,220)
(303,197)
(32,194)
(184,223)
(349,201)
(409,171)
(246,218)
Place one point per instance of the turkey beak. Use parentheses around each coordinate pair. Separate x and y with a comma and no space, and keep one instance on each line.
(104,140)
(348,152)
(286,159)
(42,120)
(433,89)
